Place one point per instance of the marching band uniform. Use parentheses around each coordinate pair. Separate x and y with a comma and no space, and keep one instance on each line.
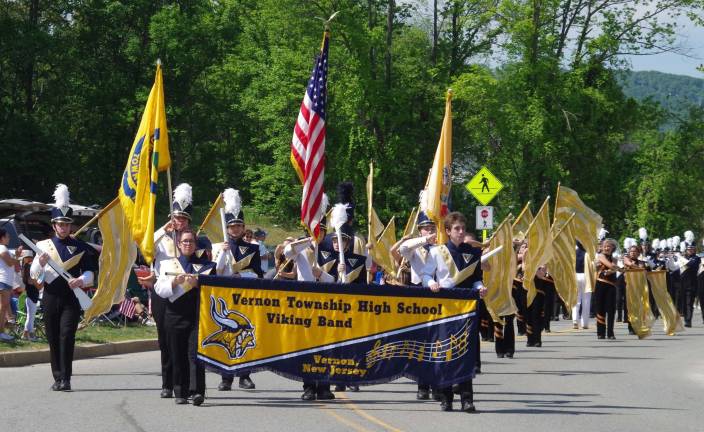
(580,312)
(457,267)
(61,308)
(181,324)
(535,318)
(605,299)
(520,296)
(689,266)
(241,259)
(416,252)
(164,250)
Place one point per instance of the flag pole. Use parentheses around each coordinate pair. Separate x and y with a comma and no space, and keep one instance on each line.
(171,210)
(370,192)
(102,211)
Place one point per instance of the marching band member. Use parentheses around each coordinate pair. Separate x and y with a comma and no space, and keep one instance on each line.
(580,312)
(605,290)
(631,261)
(519,292)
(181,317)
(689,266)
(61,308)
(448,263)
(416,252)
(236,257)
(165,248)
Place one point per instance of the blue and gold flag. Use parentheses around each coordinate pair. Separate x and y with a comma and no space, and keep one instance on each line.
(149,155)
(341,334)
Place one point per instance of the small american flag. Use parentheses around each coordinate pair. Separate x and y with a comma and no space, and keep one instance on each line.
(308,142)
(127,308)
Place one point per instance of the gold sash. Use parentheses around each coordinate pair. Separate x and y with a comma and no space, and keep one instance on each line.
(354,274)
(49,247)
(457,276)
(237,266)
(172,265)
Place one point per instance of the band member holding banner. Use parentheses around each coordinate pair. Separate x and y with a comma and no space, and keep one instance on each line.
(165,242)
(236,257)
(177,284)
(416,252)
(689,266)
(456,264)
(61,307)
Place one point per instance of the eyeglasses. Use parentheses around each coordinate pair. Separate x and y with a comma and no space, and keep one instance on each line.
(187,241)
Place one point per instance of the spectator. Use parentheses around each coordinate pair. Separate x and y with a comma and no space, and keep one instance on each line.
(31,288)
(7,280)
(248,236)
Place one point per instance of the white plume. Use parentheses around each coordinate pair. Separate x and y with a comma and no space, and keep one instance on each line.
(602,234)
(655,243)
(61,196)
(324,203)
(183,195)
(422,201)
(642,233)
(663,244)
(339,215)
(683,247)
(669,243)
(689,236)
(675,240)
(232,200)
(628,242)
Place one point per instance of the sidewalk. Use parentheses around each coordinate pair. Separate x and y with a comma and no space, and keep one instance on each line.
(26,358)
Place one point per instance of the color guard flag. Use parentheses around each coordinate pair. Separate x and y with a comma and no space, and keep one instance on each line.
(639,315)
(437,189)
(116,258)
(522,222)
(671,319)
(212,225)
(586,221)
(499,279)
(562,265)
(308,142)
(148,156)
(539,249)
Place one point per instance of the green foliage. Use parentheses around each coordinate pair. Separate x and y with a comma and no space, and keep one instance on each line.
(74,77)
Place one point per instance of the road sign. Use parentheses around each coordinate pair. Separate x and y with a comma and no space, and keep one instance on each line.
(484,186)
(485,217)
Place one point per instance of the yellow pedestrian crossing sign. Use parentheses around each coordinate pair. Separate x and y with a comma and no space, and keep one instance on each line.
(484,186)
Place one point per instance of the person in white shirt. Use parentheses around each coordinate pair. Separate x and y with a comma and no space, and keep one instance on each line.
(264,254)
(7,280)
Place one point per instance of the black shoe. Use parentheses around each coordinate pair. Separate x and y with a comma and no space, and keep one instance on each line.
(509,355)
(340,387)
(601,337)
(530,344)
(353,387)
(688,324)
(491,339)
(56,386)
(246,383)
(308,394)
(612,337)
(521,333)
(198,399)
(166,393)
(478,370)
(501,355)
(181,401)
(325,395)
(423,394)
(446,404)
(65,385)
(468,406)
(547,330)
(538,344)
(225,385)
(437,396)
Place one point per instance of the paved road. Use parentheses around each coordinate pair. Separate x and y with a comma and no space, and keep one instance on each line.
(573,383)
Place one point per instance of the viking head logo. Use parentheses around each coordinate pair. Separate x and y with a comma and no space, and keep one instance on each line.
(236,334)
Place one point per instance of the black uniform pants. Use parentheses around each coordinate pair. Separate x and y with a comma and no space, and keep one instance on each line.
(549,304)
(519,296)
(61,316)
(485,321)
(188,374)
(700,292)
(688,299)
(159,313)
(535,319)
(621,303)
(465,389)
(505,336)
(605,307)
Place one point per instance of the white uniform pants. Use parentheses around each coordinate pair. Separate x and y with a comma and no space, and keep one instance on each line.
(584,300)
(31,311)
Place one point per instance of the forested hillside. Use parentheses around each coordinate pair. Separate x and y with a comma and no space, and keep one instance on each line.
(74,77)
(675,93)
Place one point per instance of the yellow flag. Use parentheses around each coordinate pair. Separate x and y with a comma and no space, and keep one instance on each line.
(589,273)
(539,249)
(672,321)
(437,189)
(499,279)
(382,248)
(638,300)
(148,156)
(562,265)
(411,227)
(118,254)
(212,225)
(586,221)
(374,223)
(522,222)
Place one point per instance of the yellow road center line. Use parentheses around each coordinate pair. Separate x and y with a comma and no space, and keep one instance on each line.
(343,420)
(367,416)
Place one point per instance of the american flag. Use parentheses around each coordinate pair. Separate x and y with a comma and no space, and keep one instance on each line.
(127,308)
(308,142)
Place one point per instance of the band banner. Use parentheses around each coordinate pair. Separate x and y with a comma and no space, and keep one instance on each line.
(339,334)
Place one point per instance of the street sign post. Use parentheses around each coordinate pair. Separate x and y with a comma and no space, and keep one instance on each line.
(484,186)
